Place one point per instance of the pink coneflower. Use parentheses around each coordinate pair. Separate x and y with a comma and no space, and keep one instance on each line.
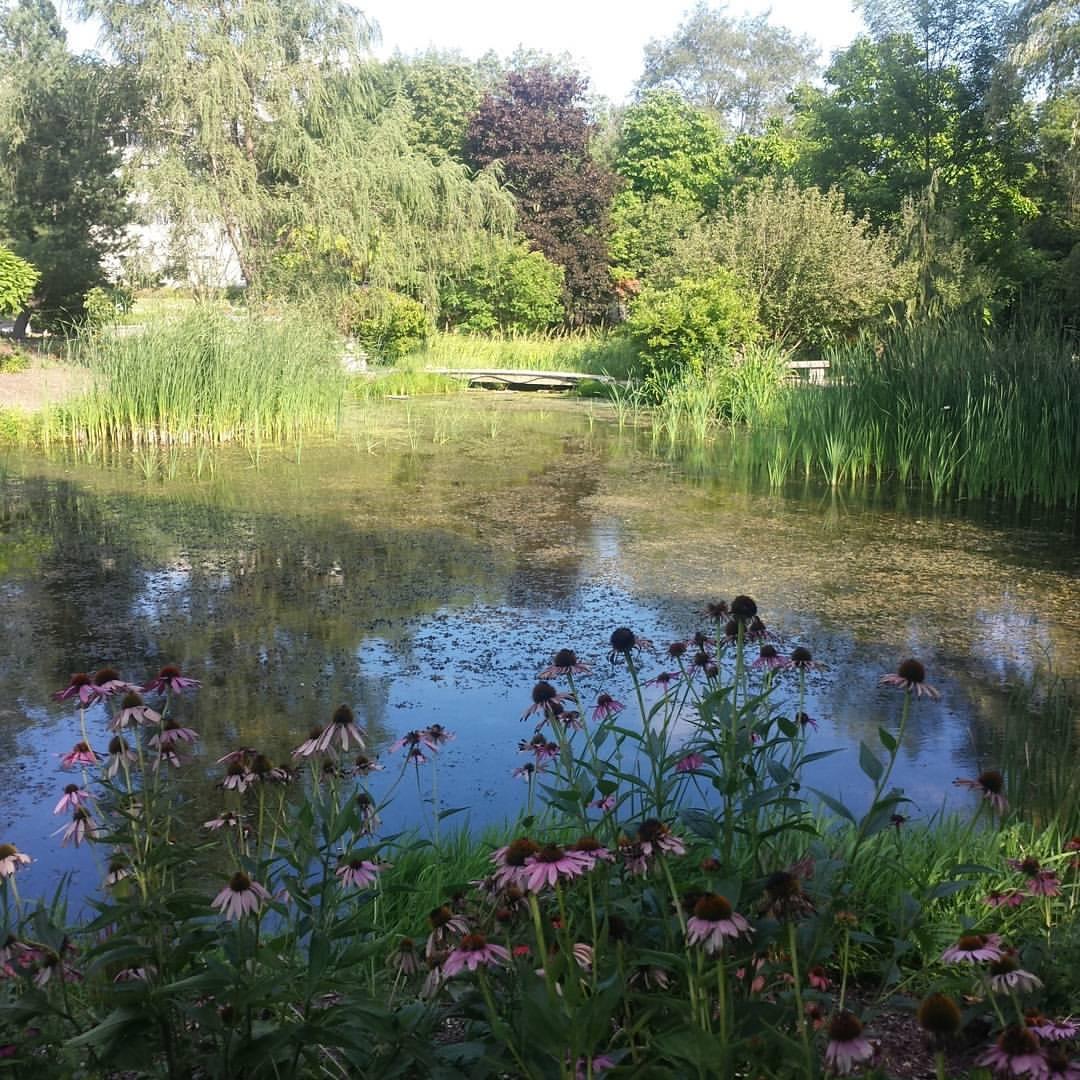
(606,707)
(404,959)
(552,864)
(991,785)
(910,677)
(769,657)
(73,797)
(1059,1066)
(368,813)
(564,662)
(743,608)
(79,756)
(974,949)
(939,1016)
(803,659)
(170,680)
(310,745)
(847,1046)
(590,849)
(606,803)
(473,952)
(703,664)
(690,762)
(120,753)
(240,897)
(510,862)
(544,696)
(784,898)
(413,741)
(237,778)
(804,720)
(171,733)
(169,757)
(358,873)
(717,610)
(1009,898)
(107,682)
(438,736)
(135,974)
(11,859)
(664,680)
(677,649)
(364,765)
(1040,882)
(599,1064)
(714,920)
(342,728)
(624,641)
(133,712)
(633,856)
(52,964)
(1056,1030)
(118,870)
(1006,975)
(526,772)
(79,829)
(242,754)
(818,979)
(654,836)
(1016,1053)
(444,925)
(226,820)
(80,685)
(539,747)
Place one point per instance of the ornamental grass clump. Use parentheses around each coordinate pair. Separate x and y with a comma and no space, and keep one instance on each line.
(675,900)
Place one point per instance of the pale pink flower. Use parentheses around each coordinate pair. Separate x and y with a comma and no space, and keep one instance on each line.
(1016,1053)
(171,681)
(240,897)
(73,797)
(404,959)
(171,733)
(991,785)
(79,756)
(120,753)
(847,1046)
(365,766)
(237,778)
(11,859)
(526,771)
(599,1064)
(606,707)
(414,741)
(226,820)
(539,747)
(311,744)
(444,926)
(552,864)
(358,873)
(664,680)
(714,921)
(53,964)
(474,951)
(242,754)
(591,850)
(1059,1066)
(910,677)
(818,979)
(1057,1030)
(624,642)
(654,836)
(133,712)
(118,870)
(564,662)
(690,762)
(544,698)
(1009,898)
(1013,980)
(769,657)
(343,729)
(81,686)
(136,974)
(974,949)
(107,682)
(79,829)
(510,862)
(802,659)
(606,803)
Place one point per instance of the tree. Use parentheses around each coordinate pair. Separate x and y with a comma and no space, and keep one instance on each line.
(742,69)
(63,205)
(534,126)
(670,148)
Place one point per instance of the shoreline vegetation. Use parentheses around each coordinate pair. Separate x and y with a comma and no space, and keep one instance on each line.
(681,904)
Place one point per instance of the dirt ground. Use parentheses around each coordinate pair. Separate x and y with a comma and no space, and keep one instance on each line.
(44,383)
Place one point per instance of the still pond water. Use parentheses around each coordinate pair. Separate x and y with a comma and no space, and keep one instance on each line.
(425,567)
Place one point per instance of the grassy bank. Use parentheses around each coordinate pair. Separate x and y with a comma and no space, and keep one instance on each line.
(673,900)
(206,378)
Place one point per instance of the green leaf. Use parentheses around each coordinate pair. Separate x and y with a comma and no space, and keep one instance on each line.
(887,740)
(835,805)
(870,764)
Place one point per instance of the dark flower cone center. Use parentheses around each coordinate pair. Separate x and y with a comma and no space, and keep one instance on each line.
(650,831)
(1005,965)
(7,850)
(1030,866)
(676,649)
(169,671)
(80,678)
(261,765)
(939,1015)
(473,943)
(717,609)
(623,639)
(240,882)
(543,692)
(782,884)
(713,908)
(440,916)
(844,1027)
(550,853)
(316,731)
(768,652)
(236,769)
(992,781)
(70,789)
(971,942)
(588,843)
(604,700)
(799,655)
(131,700)
(1016,1041)
(565,658)
(519,851)
(106,675)
(343,716)
(743,608)
(117,745)
(912,671)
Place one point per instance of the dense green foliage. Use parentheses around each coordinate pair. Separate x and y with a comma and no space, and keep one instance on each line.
(387,324)
(17,281)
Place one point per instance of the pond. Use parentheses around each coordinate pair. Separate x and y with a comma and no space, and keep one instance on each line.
(425,567)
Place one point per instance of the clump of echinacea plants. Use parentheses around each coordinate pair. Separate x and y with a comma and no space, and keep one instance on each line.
(672,902)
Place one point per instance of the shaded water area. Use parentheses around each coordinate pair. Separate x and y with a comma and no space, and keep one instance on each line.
(425,566)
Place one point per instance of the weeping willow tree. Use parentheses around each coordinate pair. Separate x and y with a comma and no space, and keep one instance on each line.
(256,120)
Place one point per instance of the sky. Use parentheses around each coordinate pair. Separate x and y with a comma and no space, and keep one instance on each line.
(606,37)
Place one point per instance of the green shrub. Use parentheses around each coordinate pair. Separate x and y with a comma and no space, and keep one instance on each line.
(387,324)
(517,291)
(692,323)
(17,281)
(103,306)
(12,359)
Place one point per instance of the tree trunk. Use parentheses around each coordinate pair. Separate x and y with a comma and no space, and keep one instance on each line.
(22,323)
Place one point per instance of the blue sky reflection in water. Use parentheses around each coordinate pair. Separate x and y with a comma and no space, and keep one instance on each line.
(424,569)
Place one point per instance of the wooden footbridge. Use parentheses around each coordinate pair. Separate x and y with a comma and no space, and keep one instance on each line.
(522,379)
